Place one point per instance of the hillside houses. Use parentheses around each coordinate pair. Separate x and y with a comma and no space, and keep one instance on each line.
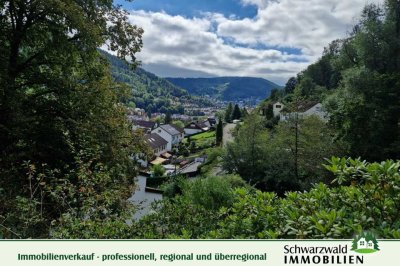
(277,108)
(146,126)
(195,128)
(198,127)
(165,142)
(156,143)
(306,110)
(161,140)
(171,133)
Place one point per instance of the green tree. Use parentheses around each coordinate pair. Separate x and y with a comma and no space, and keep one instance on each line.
(244,112)
(228,113)
(168,118)
(178,123)
(192,147)
(269,111)
(65,143)
(131,105)
(246,155)
(365,110)
(157,171)
(286,158)
(302,144)
(219,134)
(236,113)
(290,85)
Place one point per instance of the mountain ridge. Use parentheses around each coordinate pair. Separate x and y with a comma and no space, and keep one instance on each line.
(150,92)
(227,88)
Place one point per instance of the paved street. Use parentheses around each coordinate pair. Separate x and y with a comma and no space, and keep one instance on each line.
(228,133)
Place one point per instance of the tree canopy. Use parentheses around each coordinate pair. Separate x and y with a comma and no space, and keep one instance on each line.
(65,142)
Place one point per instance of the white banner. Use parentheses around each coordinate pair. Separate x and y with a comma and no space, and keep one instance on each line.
(198,252)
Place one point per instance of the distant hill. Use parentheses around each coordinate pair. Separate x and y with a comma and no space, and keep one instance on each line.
(227,88)
(149,91)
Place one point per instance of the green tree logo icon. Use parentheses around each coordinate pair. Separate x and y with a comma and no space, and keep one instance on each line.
(365,243)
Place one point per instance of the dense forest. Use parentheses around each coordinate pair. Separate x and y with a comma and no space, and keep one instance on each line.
(66,146)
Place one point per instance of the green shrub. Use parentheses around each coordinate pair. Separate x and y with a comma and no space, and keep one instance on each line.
(219,207)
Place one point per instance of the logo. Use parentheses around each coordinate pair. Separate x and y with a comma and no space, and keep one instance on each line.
(365,243)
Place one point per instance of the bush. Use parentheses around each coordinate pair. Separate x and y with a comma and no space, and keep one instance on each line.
(211,193)
(219,207)
(157,171)
(155,182)
(371,202)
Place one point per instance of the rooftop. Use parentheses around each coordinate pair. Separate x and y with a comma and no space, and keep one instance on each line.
(144,123)
(154,140)
(172,129)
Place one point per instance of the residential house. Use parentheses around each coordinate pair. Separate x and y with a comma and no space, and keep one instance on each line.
(147,126)
(192,128)
(156,143)
(317,110)
(277,108)
(171,133)
(196,127)
(306,110)
(212,121)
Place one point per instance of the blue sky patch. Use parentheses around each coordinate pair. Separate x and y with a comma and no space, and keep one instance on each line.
(193,8)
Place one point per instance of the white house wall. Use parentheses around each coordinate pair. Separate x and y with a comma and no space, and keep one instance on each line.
(317,110)
(277,108)
(165,136)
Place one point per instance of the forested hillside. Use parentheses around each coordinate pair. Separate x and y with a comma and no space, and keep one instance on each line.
(227,88)
(150,92)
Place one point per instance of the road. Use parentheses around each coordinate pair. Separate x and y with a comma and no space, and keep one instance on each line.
(228,133)
(227,137)
(143,199)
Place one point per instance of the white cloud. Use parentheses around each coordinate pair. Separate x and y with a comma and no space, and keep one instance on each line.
(306,24)
(259,3)
(217,45)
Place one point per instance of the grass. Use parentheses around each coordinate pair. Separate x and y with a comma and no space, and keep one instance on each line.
(365,250)
(200,138)
(205,135)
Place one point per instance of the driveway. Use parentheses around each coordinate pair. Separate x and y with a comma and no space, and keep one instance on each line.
(228,133)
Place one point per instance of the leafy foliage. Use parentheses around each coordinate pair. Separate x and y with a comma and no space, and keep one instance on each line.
(358,80)
(289,157)
(219,133)
(65,142)
(370,202)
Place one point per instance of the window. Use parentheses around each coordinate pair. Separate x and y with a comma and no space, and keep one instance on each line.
(362,243)
(278,106)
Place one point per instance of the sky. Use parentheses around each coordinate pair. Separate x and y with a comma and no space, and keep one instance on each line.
(271,39)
